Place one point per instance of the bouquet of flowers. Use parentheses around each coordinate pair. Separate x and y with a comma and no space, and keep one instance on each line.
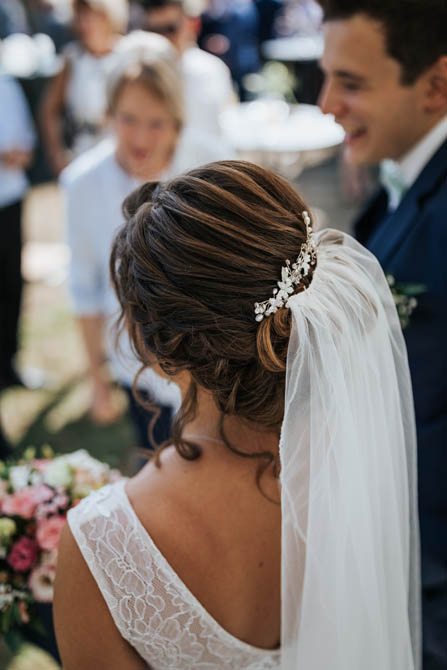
(35,496)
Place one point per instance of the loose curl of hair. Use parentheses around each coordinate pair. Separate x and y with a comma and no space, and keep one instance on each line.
(193,257)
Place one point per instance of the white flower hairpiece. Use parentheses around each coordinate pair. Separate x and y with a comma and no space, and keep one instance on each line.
(291,275)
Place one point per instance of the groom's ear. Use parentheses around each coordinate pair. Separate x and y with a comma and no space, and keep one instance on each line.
(435,87)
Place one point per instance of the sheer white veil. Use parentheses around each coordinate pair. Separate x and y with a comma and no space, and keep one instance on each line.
(350,550)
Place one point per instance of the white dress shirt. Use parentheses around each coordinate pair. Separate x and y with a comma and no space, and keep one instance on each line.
(16,132)
(398,176)
(95,186)
(208,89)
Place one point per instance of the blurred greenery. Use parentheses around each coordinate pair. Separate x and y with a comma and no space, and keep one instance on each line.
(57,411)
(107,443)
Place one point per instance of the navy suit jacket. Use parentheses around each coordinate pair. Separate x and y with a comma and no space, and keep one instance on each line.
(411,244)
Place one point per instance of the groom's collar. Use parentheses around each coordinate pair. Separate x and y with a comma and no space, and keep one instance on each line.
(398,176)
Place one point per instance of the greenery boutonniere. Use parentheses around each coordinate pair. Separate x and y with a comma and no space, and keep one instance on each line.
(404,294)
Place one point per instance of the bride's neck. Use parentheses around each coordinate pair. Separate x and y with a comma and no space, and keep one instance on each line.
(240,433)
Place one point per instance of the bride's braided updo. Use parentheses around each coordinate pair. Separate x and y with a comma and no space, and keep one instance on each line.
(193,257)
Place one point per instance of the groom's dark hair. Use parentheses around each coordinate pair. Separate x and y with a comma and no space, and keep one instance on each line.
(415,30)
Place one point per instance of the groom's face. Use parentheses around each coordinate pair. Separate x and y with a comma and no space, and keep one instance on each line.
(382,117)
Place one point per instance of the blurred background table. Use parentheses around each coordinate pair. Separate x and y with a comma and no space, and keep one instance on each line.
(281,137)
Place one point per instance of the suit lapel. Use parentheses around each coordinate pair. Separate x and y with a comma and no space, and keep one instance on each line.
(374,213)
(384,243)
(396,227)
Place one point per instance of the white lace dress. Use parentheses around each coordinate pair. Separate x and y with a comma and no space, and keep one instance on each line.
(150,605)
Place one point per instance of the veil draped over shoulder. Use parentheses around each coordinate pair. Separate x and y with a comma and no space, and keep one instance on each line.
(350,549)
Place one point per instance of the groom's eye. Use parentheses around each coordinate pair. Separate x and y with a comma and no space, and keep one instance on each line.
(351,86)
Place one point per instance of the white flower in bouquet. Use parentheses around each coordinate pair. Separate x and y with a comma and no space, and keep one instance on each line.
(81,460)
(41,583)
(19,476)
(6,595)
(36,478)
(49,558)
(58,473)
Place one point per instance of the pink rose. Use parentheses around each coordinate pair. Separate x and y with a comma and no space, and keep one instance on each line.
(51,507)
(49,531)
(24,502)
(40,464)
(41,583)
(45,510)
(42,493)
(61,499)
(20,503)
(23,554)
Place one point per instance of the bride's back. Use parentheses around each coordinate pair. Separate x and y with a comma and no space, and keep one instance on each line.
(221,535)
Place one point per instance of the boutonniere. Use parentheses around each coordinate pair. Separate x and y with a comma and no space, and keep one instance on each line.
(404,294)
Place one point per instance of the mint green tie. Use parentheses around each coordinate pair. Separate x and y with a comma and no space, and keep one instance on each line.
(393,182)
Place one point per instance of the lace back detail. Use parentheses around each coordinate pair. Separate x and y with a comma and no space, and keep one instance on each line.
(150,605)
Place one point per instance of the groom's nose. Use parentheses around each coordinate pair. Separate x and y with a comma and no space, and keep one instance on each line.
(331,100)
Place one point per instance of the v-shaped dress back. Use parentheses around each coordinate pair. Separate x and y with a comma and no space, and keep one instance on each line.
(150,605)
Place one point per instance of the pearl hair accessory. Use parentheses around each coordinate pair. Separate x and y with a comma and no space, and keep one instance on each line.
(291,275)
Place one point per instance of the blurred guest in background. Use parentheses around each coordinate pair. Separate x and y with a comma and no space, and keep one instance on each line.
(17,139)
(73,108)
(230,30)
(207,84)
(13,18)
(149,142)
(386,83)
(35,16)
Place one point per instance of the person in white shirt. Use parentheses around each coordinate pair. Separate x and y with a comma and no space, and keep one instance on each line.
(17,139)
(208,87)
(149,143)
(73,107)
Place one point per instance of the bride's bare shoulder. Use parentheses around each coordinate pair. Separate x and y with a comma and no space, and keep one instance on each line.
(202,493)
(179,496)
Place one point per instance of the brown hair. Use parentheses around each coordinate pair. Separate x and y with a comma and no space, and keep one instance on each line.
(193,257)
(415,30)
(117,11)
(146,64)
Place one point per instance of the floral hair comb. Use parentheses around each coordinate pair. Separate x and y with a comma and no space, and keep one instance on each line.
(291,275)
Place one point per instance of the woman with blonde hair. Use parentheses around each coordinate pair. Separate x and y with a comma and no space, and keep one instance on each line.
(278,526)
(148,141)
(73,108)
